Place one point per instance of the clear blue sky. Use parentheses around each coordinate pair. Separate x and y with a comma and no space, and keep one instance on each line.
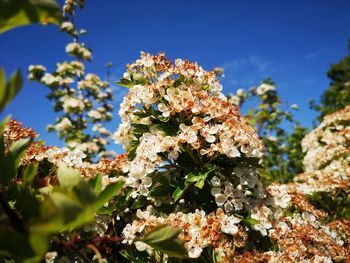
(294,42)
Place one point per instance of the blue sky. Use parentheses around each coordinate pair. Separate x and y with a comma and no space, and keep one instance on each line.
(294,42)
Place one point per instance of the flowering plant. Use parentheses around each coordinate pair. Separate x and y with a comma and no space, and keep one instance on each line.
(83,98)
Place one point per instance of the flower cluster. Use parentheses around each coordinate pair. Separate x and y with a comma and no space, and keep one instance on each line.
(173,109)
(327,159)
(243,189)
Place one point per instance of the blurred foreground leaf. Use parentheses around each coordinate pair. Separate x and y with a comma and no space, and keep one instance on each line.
(164,239)
(14,13)
(8,90)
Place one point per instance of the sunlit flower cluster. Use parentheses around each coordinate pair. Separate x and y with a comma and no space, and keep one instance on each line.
(179,108)
(327,156)
(302,234)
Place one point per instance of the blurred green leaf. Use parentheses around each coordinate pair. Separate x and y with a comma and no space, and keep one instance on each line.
(3,124)
(161,233)
(14,13)
(10,89)
(108,193)
(126,83)
(9,162)
(67,176)
(29,173)
(96,183)
(164,239)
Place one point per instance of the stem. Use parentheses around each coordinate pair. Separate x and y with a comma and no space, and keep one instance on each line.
(95,250)
(12,215)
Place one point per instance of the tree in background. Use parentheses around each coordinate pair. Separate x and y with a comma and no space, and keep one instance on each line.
(82,99)
(279,130)
(337,96)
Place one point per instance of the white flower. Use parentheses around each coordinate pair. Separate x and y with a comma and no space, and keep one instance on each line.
(164,110)
(215,181)
(280,195)
(240,92)
(295,106)
(94,114)
(262,216)
(228,224)
(64,124)
(36,68)
(263,88)
(220,199)
(72,47)
(49,79)
(50,257)
(67,26)
(194,252)
(72,103)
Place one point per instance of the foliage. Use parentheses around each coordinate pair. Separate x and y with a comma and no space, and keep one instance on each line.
(35,208)
(18,13)
(337,96)
(279,130)
(81,98)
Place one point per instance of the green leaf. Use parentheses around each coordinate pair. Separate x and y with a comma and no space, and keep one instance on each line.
(161,233)
(161,186)
(108,193)
(85,193)
(126,83)
(9,162)
(96,183)
(162,118)
(68,177)
(14,13)
(178,193)
(164,239)
(173,248)
(10,89)
(29,173)
(135,256)
(3,123)
(40,244)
